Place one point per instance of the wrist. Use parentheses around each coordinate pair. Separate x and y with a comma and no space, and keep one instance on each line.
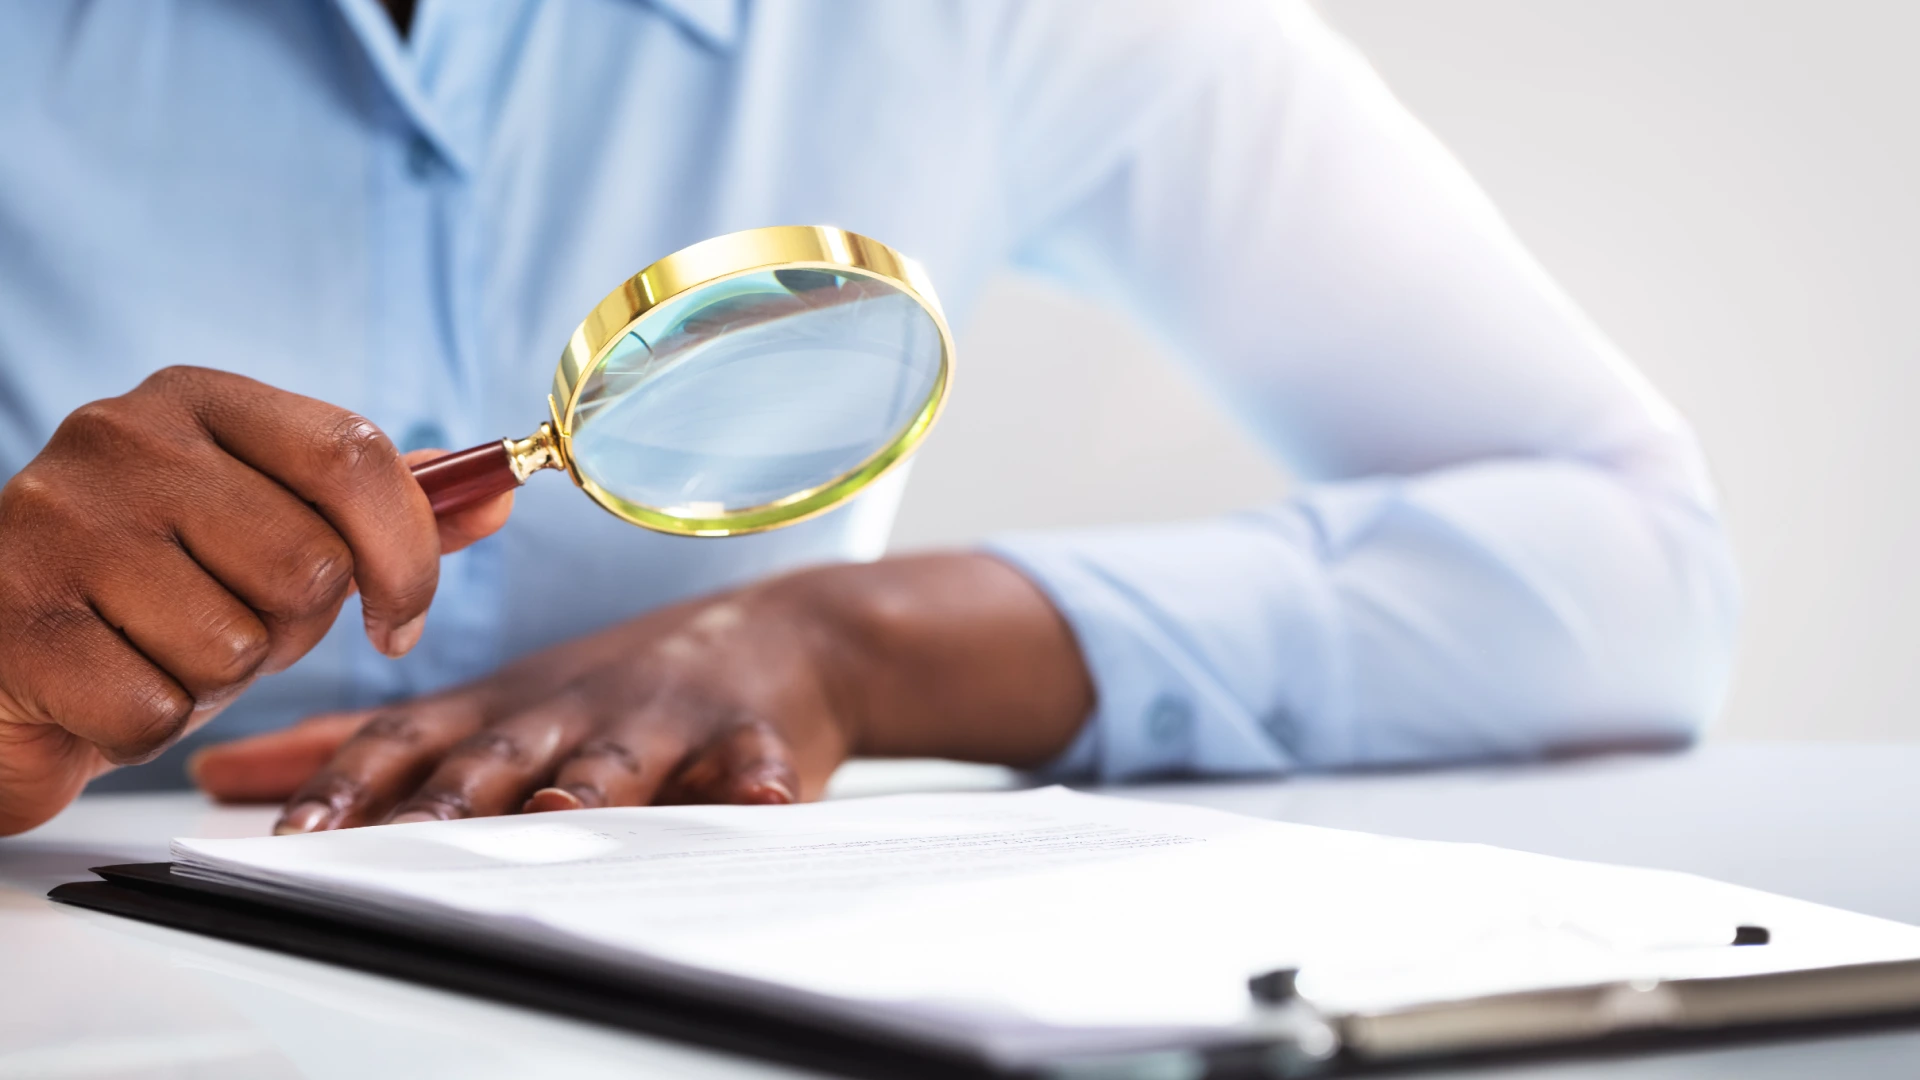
(831,614)
(951,655)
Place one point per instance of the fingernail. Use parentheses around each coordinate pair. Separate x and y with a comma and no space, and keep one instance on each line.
(413,817)
(194,761)
(401,639)
(549,799)
(767,791)
(304,818)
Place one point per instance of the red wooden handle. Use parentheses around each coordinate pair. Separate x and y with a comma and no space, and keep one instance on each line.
(457,481)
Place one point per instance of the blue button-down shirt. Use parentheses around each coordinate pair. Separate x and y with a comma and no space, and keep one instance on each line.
(1504,540)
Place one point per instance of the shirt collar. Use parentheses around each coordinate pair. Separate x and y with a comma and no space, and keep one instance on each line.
(381,42)
(715,23)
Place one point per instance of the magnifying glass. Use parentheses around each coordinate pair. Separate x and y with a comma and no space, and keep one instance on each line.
(747,382)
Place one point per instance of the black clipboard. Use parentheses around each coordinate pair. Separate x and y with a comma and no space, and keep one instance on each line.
(1881,996)
(471,964)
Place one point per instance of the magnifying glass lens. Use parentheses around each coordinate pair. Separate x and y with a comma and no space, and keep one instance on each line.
(744,383)
(750,390)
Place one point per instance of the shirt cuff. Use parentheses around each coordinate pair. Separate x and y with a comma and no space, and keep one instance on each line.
(1208,643)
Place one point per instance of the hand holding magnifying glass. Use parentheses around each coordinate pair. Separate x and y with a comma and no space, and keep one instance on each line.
(174,543)
(745,383)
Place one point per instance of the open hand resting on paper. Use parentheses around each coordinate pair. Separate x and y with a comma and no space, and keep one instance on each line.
(170,545)
(753,696)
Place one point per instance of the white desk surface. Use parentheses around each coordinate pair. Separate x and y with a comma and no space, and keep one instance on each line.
(88,995)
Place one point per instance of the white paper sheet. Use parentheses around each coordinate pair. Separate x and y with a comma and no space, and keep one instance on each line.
(1039,922)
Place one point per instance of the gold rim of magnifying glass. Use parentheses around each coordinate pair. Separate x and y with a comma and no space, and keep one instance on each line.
(779,247)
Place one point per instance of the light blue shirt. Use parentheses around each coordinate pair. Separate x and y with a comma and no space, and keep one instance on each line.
(1504,541)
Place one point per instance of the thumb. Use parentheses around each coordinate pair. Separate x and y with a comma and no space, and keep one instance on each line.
(270,767)
(468,524)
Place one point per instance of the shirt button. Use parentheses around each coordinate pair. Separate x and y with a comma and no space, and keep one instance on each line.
(425,435)
(422,158)
(1169,720)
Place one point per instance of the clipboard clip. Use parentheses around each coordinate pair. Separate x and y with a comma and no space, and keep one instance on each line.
(1285,1038)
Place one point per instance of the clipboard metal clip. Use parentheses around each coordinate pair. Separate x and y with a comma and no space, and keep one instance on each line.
(1284,1038)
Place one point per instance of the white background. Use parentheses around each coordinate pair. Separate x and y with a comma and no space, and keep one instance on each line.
(1730,187)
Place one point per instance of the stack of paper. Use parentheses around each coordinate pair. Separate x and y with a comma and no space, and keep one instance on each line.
(1029,925)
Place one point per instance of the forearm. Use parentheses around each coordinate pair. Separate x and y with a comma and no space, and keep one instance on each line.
(1503,541)
(946,655)
(1507,608)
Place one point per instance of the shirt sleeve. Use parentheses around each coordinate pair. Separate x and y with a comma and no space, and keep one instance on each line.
(1504,542)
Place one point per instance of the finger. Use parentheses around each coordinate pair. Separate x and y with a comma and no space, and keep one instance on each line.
(69,668)
(620,769)
(469,524)
(273,552)
(184,621)
(472,524)
(42,769)
(272,766)
(494,770)
(381,764)
(348,470)
(749,764)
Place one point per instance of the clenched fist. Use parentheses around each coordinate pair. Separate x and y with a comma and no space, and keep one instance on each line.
(169,546)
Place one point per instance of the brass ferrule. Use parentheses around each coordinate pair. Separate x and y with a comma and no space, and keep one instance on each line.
(533,453)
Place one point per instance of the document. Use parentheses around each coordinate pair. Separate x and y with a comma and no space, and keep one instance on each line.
(1030,924)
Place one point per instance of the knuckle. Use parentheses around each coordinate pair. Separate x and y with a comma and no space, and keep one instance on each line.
(176,377)
(440,802)
(35,498)
(406,600)
(398,728)
(125,427)
(334,787)
(155,714)
(106,421)
(493,747)
(608,752)
(40,633)
(51,610)
(52,625)
(120,452)
(236,650)
(314,576)
(352,444)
